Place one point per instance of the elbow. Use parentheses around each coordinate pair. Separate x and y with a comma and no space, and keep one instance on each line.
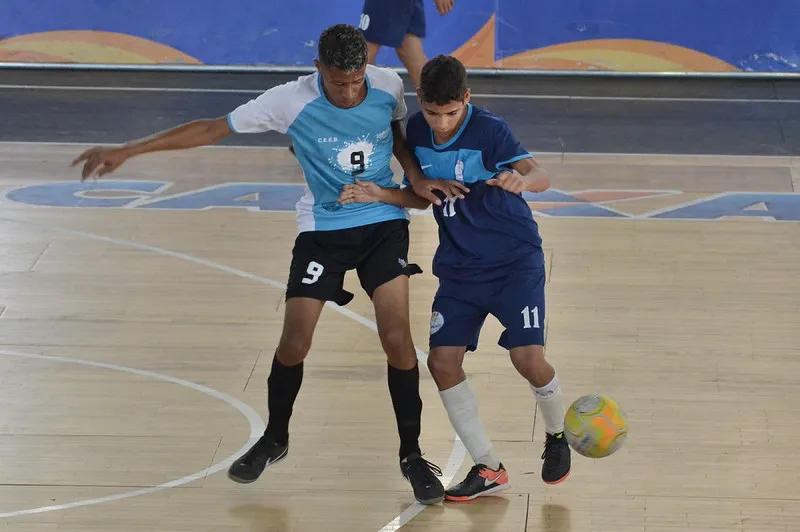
(202,132)
(216,129)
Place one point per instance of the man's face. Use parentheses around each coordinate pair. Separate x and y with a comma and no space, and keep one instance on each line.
(445,120)
(343,89)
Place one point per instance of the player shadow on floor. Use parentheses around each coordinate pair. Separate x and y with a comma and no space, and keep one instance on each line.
(555,518)
(486,514)
(263,518)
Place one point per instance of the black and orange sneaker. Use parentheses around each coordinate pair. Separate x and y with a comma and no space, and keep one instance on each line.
(265,452)
(422,474)
(556,456)
(479,481)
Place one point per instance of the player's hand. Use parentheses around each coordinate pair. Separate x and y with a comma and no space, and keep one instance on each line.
(510,181)
(444,6)
(450,188)
(360,192)
(98,162)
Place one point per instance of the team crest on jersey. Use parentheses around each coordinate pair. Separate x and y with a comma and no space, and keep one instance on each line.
(459,170)
(437,322)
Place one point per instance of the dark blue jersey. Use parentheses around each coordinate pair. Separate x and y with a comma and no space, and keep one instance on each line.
(491,232)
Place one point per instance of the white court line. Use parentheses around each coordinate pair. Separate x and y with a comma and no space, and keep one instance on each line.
(457,454)
(256,429)
(499,96)
(538,153)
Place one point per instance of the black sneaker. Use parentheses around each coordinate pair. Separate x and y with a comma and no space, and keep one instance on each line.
(556,458)
(422,474)
(479,481)
(248,467)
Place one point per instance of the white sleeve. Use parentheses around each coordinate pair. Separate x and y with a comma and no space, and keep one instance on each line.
(388,81)
(270,111)
(400,109)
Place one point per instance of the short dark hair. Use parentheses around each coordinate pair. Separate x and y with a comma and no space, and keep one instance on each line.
(343,46)
(444,80)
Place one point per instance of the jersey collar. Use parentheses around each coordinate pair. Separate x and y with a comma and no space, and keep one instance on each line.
(458,133)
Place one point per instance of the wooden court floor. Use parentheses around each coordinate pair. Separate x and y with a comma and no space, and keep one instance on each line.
(136,337)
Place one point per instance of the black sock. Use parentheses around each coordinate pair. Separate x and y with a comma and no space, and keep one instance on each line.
(404,389)
(283,385)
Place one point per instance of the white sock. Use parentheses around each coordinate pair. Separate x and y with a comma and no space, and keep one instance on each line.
(462,409)
(551,403)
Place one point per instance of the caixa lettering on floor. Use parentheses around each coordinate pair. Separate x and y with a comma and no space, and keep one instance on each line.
(282,197)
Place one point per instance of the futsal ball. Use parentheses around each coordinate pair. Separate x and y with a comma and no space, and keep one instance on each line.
(595,426)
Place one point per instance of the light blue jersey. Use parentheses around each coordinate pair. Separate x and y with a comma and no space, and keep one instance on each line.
(334,146)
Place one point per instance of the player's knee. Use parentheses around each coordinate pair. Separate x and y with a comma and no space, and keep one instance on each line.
(531,356)
(446,371)
(397,343)
(531,364)
(293,348)
(436,365)
(396,338)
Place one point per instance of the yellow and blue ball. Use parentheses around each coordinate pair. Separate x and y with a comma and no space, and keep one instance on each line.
(595,426)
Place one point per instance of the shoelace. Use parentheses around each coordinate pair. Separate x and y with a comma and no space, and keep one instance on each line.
(475,471)
(548,444)
(433,468)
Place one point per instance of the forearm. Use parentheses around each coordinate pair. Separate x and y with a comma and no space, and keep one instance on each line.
(185,136)
(404,156)
(536,178)
(403,197)
(538,183)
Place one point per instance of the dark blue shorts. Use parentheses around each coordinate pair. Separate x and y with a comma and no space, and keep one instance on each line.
(387,22)
(517,301)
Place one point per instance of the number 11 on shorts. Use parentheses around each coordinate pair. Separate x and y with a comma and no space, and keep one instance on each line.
(529,314)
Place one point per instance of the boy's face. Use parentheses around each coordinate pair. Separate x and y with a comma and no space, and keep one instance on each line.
(445,120)
(343,89)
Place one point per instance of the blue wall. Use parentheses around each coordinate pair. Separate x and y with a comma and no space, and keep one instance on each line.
(633,35)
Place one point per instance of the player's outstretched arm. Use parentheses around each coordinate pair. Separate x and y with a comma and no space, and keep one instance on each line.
(100,161)
(369,192)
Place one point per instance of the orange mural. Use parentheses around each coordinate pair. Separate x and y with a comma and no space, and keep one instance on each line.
(88,47)
(479,50)
(624,55)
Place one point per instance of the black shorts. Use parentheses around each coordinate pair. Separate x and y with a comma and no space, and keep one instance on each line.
(320,259)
